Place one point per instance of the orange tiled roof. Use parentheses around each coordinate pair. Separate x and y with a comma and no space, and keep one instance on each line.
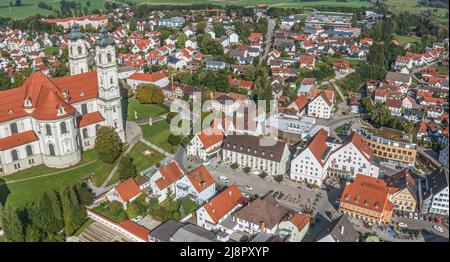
(368,193)
(89,119)
(17,140)
(128,189)
(148,77)
(300,221)
(200,178)
(170,174)
(223,203)
(210,136)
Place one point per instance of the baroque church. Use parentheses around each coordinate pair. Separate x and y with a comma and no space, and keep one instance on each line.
(51,121)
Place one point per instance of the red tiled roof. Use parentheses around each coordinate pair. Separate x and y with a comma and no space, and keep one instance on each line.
(317,145)
(89,119)
(223,203)
(135,229)
(151,78)
(307,59)
(200,178)
(128,189)
(300,221)
(210,136)
(301,102)
(170,174)
(368,193)
(17,140)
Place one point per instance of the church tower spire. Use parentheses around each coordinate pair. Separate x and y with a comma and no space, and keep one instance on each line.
(78,55)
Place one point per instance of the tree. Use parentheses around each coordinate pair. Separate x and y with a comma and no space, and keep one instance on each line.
(182,38)
(12,225)
(219,29)
(33,234)
(18,3)
(88,3)
(278,178)
(84,194)
(173,139)
(107,144)
(234,166)
(73,213)
(200,28)
(149,94)
(42,215)
(133,209)
(127,168)
(246,169)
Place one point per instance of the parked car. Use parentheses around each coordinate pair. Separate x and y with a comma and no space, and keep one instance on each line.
(438,228)
(402,225)
(224,179)
(416,216)
(245,195)
(247,187)
(137,219)
(410,215)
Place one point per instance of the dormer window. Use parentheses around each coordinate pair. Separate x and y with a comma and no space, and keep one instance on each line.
(61,111)
(28,102)
(10,111)
(66,93)
(82,93)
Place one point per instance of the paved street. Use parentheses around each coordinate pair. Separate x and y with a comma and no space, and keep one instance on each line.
(270,27)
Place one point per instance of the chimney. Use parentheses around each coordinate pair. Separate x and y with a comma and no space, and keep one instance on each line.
(342,230)
(262,227)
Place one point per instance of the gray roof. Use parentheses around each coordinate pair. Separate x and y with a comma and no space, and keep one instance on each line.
(193,233)
(75,33)
(249,145)
(104,39)
(436,181)
(215,63)
(340,230)
(164,231)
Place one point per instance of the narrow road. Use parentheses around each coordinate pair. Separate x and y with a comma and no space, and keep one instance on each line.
(270,28)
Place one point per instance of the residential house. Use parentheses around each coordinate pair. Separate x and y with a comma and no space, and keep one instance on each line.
(339,230)
(164,180)
(403,191)
(198,185)
(125,192)
(434,192)
(294,227)
(206,144)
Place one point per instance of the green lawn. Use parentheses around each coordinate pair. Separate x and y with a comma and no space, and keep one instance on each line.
(141,160)
(144,111)
(30,7)
(277,3)
(442,69)
(404,39)
(413,6)
(19,193)
(51,50)
(157,134)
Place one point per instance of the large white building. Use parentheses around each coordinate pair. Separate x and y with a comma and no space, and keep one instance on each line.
(322,156)
(206,144)
(434,192)
(51,120)
(246,151)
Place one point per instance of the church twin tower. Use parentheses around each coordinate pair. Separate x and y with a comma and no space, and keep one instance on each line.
(109,98)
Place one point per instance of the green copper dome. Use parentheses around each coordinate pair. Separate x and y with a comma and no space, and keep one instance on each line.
(75,33)
(104,39)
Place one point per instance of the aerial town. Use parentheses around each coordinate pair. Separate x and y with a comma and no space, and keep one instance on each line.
(91,93)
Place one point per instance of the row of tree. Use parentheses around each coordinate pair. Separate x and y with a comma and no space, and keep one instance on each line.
(51,217)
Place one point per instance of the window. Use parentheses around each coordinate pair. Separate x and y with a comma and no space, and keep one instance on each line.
(84,109)
(29,150)
(51,149)
(48,130)
(14,128)
(63,128)
(14,155)
(99,58)
(109,57)
(80,50)
(85,133)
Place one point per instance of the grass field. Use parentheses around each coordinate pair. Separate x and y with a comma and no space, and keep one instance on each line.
(413,6)
(157,134)
(140,159)
(144,111)
(30,7)
(404,39)
(19,193)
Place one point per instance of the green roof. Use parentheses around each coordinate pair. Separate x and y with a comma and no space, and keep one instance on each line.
(104,39)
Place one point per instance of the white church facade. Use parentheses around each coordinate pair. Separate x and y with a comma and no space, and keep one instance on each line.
(51,121)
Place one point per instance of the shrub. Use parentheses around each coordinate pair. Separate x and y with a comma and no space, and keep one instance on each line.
(246,169)
(263,175)
(278,178)
(234,166)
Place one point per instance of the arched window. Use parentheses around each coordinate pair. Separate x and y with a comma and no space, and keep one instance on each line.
(29,150)
(109,57)
(51,149)
(48,130)
(71,50)
(80,50)
(63,127)
(99,58)
(14,128)
(85,133)
(14,155)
